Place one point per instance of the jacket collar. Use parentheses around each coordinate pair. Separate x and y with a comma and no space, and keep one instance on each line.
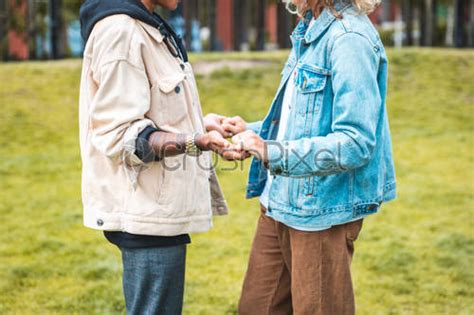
(153,32)
(323,21)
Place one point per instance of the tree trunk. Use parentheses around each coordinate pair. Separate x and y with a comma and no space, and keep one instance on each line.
(260,44)
(57,29)
(470,29)
(458,23)
(422,21)
(31,25)
(283,27)
(240,24)
(3,30)
(434,23)
(212,25)
(191,14)
(407,13)
(431,25)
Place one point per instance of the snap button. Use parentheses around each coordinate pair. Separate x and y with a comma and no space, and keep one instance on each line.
(100,222)
(372,207)
(177,89)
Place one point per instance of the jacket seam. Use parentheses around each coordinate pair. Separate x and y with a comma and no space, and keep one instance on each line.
(125,56)
(330,50)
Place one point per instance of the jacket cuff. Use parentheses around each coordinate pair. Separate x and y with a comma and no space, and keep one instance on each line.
(143,149)
(255,126)
(132,144)
(277,158)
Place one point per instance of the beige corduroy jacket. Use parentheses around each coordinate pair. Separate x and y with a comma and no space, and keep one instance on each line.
(130,80)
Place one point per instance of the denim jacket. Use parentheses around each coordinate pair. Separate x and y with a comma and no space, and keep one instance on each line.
(335,164)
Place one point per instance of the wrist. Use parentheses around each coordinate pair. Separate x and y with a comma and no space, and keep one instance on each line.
(265,153)
(191,147)
(202,142)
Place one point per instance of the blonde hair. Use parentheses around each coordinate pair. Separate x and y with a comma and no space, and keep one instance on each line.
(363,6)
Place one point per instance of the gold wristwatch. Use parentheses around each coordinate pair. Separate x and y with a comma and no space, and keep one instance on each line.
(191,147)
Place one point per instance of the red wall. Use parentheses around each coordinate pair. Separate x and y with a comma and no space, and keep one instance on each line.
(224,23)
(271,22)
(17,43)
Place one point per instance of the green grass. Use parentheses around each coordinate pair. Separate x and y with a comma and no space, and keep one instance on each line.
(415,257)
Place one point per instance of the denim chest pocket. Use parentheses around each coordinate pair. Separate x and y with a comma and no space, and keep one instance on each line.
(310,82)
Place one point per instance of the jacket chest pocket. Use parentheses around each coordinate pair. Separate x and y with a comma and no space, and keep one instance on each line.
(310,82)
(169,102)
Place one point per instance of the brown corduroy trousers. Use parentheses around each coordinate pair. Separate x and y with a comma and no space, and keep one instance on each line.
(295,272)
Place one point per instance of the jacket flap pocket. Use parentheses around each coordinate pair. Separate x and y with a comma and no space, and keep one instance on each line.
(169,83)
(311,79)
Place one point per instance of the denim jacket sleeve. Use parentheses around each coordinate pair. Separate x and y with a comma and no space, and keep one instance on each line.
(255,126)
(356,109)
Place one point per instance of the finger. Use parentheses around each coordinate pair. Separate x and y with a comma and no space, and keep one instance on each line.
(228,156)
(241,137)
(229,120)
(237,143)
(232,129)
(222,143)
(219,129)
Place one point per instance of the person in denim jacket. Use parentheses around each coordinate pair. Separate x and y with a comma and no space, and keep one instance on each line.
(322,162)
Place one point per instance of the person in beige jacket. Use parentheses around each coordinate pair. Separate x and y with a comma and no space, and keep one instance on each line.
(147,181)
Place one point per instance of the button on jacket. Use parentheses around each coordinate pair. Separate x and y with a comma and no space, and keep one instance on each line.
(335,163)
(130,81)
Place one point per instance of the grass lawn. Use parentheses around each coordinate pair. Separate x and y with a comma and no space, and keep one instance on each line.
(415,257)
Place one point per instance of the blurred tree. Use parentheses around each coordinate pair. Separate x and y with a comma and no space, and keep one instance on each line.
(407,17)
(71,10)
(240,24)
(31,27)
(191,13)
(260,25)
(212,25)
(57,29)
(284,26)
(462,22)
(428,22)
(3,30)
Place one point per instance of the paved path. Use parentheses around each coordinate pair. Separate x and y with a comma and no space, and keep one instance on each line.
(208,67)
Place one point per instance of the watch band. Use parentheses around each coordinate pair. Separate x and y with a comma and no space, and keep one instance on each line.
(191,147)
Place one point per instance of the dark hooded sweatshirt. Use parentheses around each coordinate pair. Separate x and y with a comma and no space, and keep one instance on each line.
(92,11)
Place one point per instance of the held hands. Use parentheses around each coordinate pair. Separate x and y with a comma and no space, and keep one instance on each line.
(245,142)
(215,122)
(248,141)
(214,141)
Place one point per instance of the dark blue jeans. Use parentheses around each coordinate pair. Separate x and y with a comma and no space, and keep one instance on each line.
(153,279)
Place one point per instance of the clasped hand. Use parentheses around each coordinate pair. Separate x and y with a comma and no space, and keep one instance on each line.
(244,143)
